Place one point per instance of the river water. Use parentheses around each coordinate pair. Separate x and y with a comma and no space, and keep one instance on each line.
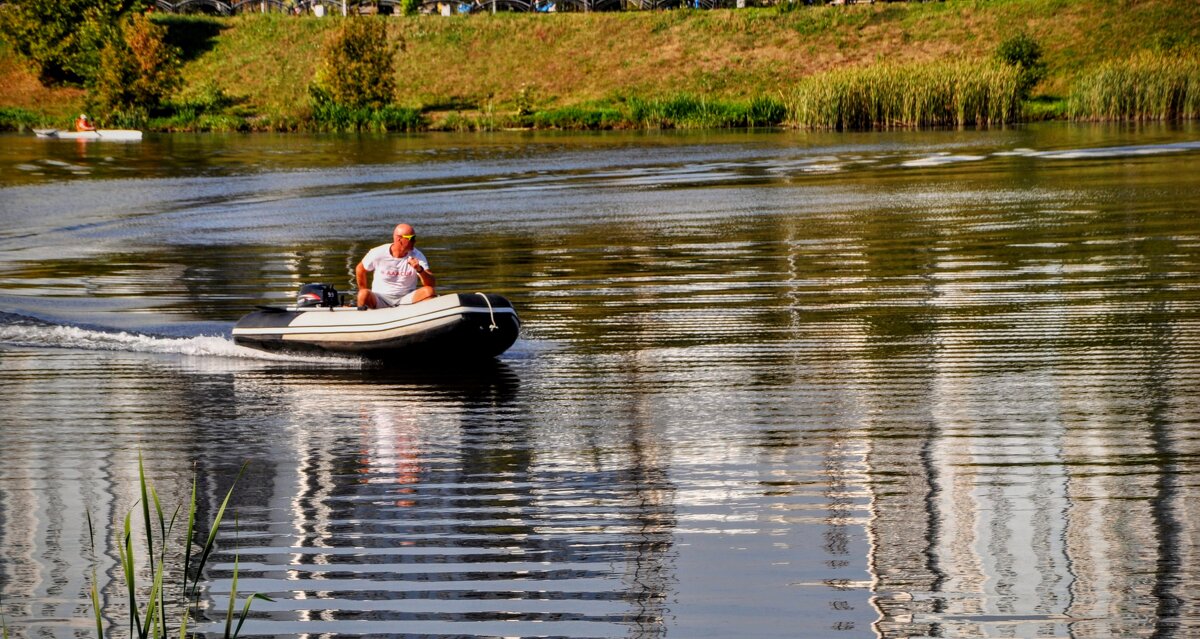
(769,384)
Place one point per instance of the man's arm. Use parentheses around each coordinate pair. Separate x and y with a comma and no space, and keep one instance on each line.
(360,276)
(426,277)
(364,294)
(423,274)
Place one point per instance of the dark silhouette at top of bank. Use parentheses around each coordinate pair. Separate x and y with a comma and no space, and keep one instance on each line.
(448,7)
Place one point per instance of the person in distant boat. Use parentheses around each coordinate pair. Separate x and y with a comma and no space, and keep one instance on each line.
(401,273)
(84,123)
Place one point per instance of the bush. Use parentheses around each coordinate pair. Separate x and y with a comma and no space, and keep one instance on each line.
(17,119)
(137,71)
(357,68)
(1023,52)
(356,84)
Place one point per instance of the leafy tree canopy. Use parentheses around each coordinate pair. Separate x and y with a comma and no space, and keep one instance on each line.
(138,71)
(63,38)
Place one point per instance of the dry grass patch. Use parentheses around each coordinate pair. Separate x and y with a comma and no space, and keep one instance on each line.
(19,87)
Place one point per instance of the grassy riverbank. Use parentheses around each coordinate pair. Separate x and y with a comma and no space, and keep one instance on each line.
(680,68)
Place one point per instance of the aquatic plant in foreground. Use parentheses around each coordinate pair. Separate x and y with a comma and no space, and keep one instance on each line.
(151,622)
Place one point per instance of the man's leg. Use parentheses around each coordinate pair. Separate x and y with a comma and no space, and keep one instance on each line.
(367,298)
(423,293)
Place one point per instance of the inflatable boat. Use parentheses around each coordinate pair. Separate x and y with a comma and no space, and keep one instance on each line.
(471,325)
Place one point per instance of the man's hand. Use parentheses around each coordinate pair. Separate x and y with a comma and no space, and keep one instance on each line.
(425,277)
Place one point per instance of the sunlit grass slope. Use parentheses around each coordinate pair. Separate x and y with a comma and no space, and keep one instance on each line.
(596,69)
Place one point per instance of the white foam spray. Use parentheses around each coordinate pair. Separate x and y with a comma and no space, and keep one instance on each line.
(72,337)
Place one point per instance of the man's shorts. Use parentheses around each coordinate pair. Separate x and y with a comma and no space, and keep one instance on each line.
(388,300)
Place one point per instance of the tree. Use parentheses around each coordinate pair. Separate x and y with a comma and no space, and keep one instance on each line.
(138,70)
(63,38)
(357,67)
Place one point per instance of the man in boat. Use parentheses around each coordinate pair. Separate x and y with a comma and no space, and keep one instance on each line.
(84,123)
(401,272)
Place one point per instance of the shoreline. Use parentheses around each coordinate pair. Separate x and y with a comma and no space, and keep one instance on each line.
(732,130)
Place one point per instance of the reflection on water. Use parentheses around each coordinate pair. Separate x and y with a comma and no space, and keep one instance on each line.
(911,384)
(428,520)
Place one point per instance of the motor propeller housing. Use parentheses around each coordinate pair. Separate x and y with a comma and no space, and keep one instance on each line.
(322,295)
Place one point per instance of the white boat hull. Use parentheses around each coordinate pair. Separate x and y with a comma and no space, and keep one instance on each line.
(466,325)
(115,135)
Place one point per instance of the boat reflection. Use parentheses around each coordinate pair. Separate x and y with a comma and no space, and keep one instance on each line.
(441,501)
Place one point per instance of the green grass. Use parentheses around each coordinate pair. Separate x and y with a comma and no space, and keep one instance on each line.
(690,111)
(1151,86)
(677,111)
(569,62)
(340,118)
(578,118)
(1044,108)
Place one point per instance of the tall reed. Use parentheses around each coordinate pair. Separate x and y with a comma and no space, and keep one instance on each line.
(980,93)
(151,620)
(1149,86)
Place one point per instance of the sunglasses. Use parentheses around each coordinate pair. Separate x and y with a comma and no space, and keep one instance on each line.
(407,237)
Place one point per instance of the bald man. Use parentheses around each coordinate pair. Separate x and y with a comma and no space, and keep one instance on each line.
(401,273)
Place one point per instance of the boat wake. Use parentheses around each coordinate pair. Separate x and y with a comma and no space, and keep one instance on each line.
(20,331)
(947,158)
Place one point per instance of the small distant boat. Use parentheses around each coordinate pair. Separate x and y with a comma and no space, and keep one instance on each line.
(456,326)
(116,135)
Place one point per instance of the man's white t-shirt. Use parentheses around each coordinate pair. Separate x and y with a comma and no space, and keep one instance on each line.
(394,278)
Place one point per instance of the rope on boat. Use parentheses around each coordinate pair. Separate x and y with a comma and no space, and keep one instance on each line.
(490,311)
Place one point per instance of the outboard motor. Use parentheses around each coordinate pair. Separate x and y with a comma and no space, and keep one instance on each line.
(322,295)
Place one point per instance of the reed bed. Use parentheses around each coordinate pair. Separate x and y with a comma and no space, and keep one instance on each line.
(1150,86)
(960,94)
